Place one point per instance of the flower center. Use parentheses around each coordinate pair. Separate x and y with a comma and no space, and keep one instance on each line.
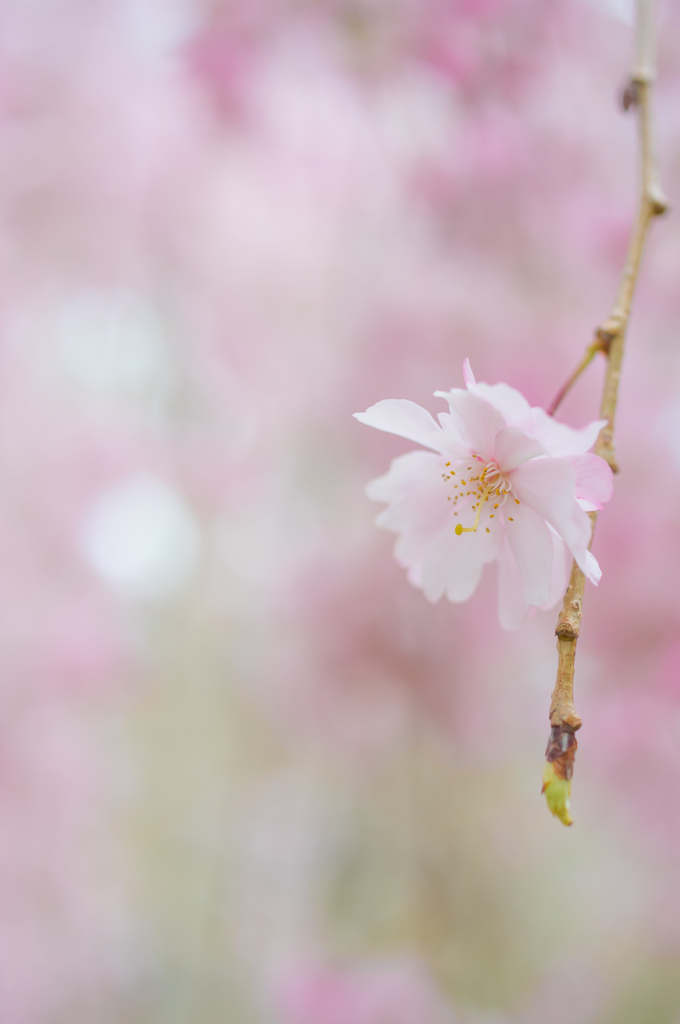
(481,492)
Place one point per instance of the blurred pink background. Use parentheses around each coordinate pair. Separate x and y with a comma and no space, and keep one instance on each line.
(248,774)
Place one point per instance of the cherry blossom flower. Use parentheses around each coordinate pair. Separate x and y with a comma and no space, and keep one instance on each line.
(502,482)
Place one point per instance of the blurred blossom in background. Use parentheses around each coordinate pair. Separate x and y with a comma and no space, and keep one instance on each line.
(248,774)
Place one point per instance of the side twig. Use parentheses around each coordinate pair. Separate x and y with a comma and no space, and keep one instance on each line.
(595,346)
(609,337)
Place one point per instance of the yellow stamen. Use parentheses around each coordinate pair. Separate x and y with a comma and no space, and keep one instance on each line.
(473,529)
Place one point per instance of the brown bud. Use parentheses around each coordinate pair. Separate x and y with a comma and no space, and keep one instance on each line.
(561,751)
(631,94)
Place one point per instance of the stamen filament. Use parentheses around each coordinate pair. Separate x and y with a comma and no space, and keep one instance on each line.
(473,529)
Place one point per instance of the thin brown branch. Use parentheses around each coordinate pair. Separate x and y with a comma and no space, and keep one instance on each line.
(611,336)
(595,346)
(562,709)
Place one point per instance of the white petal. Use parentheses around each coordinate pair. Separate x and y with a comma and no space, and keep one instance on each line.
(559,439)
(512,607)
(532,545)
(548,485)
(453,564)
(477,420)
(592,568)
(404,418)
(512,406)
(512,447)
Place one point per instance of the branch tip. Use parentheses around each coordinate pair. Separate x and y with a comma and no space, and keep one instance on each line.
(558,770)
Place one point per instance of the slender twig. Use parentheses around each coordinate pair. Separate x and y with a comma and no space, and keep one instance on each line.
(596,346)
(609,337)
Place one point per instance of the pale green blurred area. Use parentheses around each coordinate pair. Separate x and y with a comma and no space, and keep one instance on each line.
(244,848)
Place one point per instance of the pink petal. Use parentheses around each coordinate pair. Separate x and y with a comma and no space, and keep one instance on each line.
(404,418)
(532,545)
(453,564)
(548,486)
(594,479)
(512,607)
(477,421)
(512,447)
(558,439)
(468,375)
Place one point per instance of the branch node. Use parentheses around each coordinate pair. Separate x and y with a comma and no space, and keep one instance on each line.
(568,719)
(569,621)
(658,204)
(608,332)
(642,76)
